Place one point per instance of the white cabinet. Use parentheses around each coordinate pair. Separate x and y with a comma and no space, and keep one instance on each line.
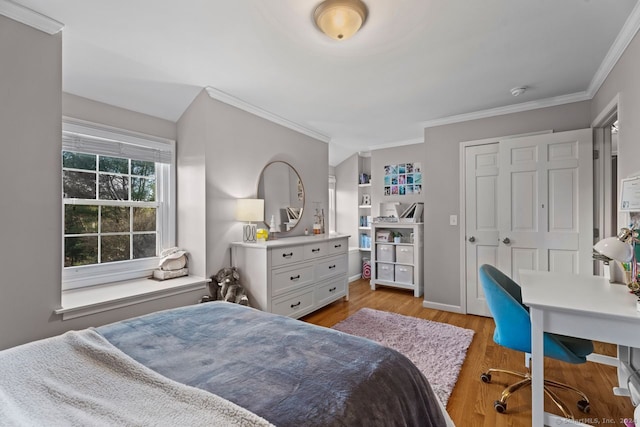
(293,276)
(397,264)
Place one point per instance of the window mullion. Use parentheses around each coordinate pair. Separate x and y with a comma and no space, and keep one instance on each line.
(99,234)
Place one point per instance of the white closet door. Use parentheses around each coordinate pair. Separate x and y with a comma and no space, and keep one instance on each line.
(481,219)
(546,203)
(528,204)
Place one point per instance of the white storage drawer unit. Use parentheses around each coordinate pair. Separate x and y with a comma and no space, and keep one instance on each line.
(293,276)
(398,264)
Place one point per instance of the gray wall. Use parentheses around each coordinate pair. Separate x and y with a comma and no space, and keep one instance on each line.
(623,80)
(30,177)
(393,156)
(441,176)
(234,146)
(221,159)
(346,174)
(30,185)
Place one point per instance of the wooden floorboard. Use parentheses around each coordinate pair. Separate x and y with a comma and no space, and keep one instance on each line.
(471,403)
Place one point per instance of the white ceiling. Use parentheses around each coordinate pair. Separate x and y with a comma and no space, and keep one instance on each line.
(415,63)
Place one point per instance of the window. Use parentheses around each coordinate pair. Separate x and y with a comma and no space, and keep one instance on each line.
(118,203)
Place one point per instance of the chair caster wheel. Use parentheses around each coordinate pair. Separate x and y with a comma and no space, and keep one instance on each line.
(584,406)
(500,406)
(486,378)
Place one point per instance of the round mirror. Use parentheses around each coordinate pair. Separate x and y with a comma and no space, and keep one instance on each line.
(281,188)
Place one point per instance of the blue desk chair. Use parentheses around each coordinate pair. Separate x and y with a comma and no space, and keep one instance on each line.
(513,330)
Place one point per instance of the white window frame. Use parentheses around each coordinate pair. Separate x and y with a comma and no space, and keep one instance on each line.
(96,274)
(332,204)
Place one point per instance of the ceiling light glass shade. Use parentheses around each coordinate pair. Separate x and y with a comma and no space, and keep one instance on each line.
(613,248)
(340,19)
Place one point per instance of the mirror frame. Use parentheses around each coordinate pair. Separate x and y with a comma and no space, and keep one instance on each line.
(304,194)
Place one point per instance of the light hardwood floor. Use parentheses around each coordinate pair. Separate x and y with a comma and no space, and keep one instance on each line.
(471,403)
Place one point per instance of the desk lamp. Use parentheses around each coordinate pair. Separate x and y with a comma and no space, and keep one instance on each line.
(250,210)
(620,248)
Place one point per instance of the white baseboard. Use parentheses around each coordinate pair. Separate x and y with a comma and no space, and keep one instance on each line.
(443,307)
(354,278)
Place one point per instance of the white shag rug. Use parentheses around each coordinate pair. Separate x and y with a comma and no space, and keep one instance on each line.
(437,349)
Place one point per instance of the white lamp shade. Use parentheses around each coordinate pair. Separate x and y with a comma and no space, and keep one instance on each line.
(613,248)
(250,210)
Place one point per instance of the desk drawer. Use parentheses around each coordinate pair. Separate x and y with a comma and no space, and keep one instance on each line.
(290,305)
(331,266)
(288,278)
(286,255)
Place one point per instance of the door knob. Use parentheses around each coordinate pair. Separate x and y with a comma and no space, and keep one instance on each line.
(472,239)
(506,241)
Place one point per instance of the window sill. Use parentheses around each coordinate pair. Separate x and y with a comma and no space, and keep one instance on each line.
(95,299)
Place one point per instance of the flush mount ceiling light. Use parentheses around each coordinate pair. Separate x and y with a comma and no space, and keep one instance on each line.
(340,19)
(516,91)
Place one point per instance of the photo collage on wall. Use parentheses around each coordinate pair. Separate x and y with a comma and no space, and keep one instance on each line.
(403,179)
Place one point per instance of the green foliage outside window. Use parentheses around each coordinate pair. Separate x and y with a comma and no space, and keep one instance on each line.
(96,233)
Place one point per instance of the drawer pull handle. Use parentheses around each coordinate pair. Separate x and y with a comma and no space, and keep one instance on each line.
(294,277)
(289,255)
(333,289)
(331,267)
(296,305)
(337,246)
(315,250)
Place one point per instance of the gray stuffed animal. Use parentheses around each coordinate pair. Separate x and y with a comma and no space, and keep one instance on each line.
(229,287)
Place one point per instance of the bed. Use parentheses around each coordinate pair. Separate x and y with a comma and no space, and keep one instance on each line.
(213,364)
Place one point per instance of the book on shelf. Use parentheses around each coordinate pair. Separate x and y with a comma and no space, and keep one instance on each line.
(413,213)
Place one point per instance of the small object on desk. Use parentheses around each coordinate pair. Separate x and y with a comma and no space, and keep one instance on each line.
(262,235)
(306,231)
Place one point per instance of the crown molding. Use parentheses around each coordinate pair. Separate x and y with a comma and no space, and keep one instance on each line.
(397,143)
(30,17)
(249,108)
(626,34)
(515,108)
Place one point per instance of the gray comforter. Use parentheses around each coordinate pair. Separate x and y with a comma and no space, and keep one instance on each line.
(289,372)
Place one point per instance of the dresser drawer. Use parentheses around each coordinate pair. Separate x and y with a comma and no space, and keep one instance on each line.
(331,266)
(286,255)
(288,278)
(315,250)
(330,291)
(290,305)
(337,247)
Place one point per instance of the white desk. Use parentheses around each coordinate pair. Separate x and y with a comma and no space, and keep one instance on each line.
(579,306)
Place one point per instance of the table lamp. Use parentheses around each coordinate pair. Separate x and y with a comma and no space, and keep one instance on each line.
(249,210)
(619,248)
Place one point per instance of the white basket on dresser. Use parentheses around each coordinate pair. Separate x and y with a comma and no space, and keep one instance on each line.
(293,276)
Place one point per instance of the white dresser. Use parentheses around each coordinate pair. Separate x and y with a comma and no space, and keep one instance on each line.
(293,276)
